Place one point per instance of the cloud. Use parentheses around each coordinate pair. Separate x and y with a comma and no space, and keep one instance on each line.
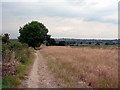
(67,27)
(19,0)
(88,10)
(77,28)
(79,17)
(1,18)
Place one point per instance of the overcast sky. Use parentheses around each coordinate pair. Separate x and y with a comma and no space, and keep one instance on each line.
(94,19)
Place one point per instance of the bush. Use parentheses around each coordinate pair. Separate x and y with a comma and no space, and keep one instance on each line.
(22,54)
(22,51)
(14,45)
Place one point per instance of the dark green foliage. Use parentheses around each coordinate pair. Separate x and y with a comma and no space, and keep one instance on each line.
(71,45)
(51,42)
(67,43)
(106,43)
(81,42)
(5,38)
(14,45)
(97,43)
(33,34)
(62,43)
(90,43)
(48,37)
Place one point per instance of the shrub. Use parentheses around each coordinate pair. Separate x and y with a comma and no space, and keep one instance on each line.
(14,45)
(23,55)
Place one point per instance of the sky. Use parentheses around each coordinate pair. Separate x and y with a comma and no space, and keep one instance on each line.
(83,19)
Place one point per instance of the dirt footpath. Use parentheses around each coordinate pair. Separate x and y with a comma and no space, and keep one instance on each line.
(40,76)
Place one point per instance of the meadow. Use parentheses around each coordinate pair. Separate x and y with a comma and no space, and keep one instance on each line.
(83,67)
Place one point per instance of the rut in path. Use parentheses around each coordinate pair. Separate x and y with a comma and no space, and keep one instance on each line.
(40,76)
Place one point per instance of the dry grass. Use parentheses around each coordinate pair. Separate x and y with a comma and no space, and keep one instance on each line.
(83,67)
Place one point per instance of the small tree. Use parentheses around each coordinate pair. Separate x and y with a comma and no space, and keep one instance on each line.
(33,34)
(5,38)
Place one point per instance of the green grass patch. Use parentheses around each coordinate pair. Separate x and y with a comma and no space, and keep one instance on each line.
(10,82)
(22,69)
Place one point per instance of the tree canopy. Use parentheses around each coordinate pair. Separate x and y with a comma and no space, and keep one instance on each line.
(33,34)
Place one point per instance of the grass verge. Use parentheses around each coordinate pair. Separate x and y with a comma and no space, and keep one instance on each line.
(23,57)
(11,81)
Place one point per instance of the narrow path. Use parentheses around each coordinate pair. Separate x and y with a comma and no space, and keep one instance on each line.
(40,76)
(33,80)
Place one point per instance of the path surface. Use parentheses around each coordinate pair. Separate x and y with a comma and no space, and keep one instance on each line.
(40,75)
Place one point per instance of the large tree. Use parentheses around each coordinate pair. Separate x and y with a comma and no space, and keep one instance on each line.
(33,34)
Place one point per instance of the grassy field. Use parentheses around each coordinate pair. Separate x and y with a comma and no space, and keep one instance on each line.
(82,67)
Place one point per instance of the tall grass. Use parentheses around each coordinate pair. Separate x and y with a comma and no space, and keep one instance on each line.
(84,67)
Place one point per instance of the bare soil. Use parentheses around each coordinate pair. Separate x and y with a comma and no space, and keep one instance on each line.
(40,76)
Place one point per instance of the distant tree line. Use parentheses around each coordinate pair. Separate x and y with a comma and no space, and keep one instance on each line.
(76,43)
